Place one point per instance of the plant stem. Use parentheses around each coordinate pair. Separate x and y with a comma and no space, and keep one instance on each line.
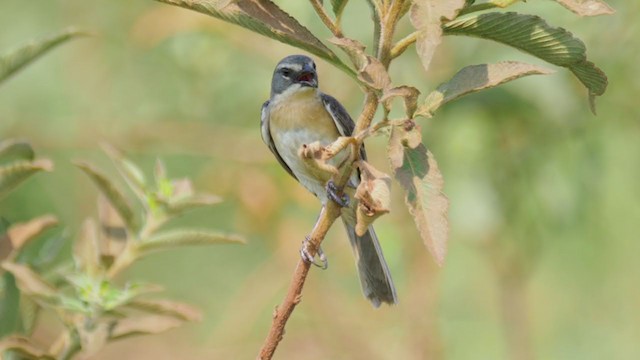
(322,13)
(403,44)
(387,30)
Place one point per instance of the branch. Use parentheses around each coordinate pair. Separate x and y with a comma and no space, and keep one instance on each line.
(322,13)
(388,21)
(403,44)
(328,215)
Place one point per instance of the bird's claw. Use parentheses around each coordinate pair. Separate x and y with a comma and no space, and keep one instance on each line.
(332,193)
(310,259)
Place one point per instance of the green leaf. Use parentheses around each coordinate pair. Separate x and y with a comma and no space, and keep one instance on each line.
(338,7)
(266,18)
(427,17)
(9,306)
(17,59)
(112,193)
(417,171)
(13,150)
(179,238)
(129,171)
(169,308)
(587,7)
(475,78)
(14,174)
(533,35)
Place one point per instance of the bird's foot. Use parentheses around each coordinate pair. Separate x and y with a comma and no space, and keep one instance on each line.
(332,193)
(310,259)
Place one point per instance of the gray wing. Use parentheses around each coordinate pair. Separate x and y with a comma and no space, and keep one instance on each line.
(266,137)
(341,118)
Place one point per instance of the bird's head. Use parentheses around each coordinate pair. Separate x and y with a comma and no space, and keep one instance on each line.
(297,71)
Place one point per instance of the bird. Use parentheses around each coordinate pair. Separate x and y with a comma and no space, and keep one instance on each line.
(298,113)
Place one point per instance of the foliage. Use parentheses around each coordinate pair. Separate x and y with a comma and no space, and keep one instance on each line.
(432,20)
(414,166)
(93,308)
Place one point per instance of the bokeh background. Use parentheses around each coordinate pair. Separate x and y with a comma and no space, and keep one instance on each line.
(545,197)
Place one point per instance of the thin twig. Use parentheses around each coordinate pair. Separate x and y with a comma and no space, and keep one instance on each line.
(403,44)
(328,215)
(388,21)
(322,13)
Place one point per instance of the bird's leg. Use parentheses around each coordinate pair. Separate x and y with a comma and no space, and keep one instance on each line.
(304,254)
(332,193)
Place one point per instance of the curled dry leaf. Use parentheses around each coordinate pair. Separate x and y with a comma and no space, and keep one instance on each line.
(417,171)
(371,72)
(409,95)
(587,7)
(427,17)
(474,78)
(20,234)
(317,155)
(374,195)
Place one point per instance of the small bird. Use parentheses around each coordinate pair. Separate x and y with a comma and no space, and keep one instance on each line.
(297,113)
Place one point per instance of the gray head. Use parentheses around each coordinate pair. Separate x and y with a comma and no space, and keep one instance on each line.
(294,70)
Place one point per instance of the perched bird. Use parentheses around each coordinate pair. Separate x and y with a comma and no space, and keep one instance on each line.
(298,113)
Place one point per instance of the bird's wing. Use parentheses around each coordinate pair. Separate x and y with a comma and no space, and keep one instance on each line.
(266,137)
(341,118)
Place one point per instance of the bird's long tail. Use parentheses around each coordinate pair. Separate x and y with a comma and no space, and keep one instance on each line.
(372,269)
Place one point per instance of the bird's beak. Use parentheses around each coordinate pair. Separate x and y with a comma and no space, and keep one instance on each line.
(307,77)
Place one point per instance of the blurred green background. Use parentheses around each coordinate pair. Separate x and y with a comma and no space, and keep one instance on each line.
(545,197)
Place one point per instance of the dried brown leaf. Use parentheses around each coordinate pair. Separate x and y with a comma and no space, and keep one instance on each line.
(427,16)
(317,155)
(409,95)
(374,195)
(587,7)
(371,72)
(417,171)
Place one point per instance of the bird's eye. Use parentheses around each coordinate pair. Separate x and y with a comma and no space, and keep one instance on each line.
(314,66)
(286,72)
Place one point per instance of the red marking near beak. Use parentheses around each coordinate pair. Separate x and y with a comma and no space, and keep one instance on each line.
(306,77)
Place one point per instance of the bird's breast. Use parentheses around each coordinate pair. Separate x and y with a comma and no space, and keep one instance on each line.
(303,119)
